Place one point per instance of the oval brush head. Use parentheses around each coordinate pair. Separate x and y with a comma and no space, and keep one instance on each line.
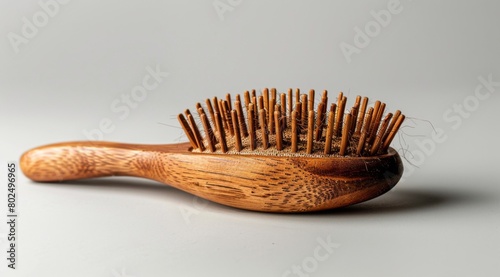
(270,153)
(290,124)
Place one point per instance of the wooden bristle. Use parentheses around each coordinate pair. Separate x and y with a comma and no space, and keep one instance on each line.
(265,94)
(333,108)
(263,128)
(324,100)
(220,109)
(252,126)
(241,119)
(339,98)
(187,112)
(297,96)
(295,134)
(345,135)
(199,109)
(283,111)
(310,132)
(340,116)
(324,96)
(277,107)
(376,108)
(290,103)
(354,113)
(216,106)
(329,130)
(361,116)
(393,132)
(254,102)
(274,94)
(319,121)
(221,133)
(271,116)
(208,129)
(210,111)
(364,133)
(208,133)
(393,121)
(237,135)
(187,130)
(279,131)
(304,112)
(246,96)
(298,114)
(253,94)
(260,101)
(376,123)
(228,99)
(380,113)
(343,107)
(378,140)
(256,113)
(223,114)
(311,100)
(196,132)
(229,119)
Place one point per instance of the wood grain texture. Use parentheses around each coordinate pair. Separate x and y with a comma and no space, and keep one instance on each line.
(252,182)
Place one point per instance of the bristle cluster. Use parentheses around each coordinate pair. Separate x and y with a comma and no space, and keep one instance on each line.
(291,124)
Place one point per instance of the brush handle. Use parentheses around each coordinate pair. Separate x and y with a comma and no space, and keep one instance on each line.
(89,159)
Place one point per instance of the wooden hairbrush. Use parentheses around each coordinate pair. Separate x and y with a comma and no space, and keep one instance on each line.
(270,153)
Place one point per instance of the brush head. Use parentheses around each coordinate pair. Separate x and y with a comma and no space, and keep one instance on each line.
(291,124)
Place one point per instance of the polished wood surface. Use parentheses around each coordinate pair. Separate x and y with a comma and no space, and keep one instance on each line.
(253,182)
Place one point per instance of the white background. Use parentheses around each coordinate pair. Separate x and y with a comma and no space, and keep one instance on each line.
(62,79)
